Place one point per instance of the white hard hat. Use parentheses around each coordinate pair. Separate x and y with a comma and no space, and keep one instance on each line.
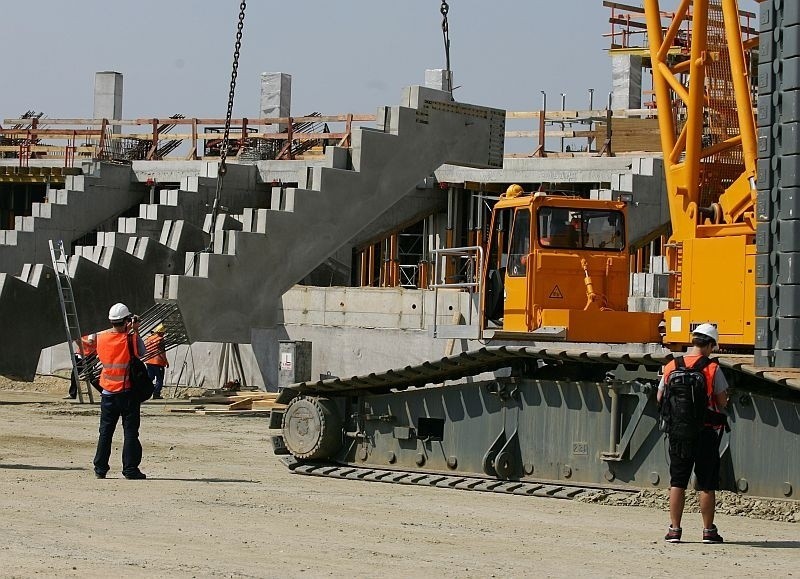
(118,312)
(707,331)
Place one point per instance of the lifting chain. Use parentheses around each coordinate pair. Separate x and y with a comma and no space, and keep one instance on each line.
(223,153)
(444,9)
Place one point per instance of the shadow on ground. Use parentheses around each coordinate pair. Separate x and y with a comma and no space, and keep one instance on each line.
(209,480)
(37,467)
(767,544)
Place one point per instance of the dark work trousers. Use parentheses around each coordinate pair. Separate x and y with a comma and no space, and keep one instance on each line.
(156,374)
(73,385)
(112,407)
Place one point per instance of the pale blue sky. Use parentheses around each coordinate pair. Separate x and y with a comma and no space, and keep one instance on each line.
(344,56)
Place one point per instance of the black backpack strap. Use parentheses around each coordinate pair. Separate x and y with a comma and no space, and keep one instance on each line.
(679,363)
(702,363)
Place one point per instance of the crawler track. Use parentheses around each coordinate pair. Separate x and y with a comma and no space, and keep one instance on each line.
(465,483)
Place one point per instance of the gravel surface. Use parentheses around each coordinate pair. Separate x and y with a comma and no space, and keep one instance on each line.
(217,503)
(727,503)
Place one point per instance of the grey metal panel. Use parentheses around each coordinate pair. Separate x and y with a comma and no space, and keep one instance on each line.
(766,79)
(765,110)
(788,235)
(789,333)
(791,13)
(789,167)
(764,358)
(764,179)
(763,301)
(787,139)
(788,105)
(765,142)
(789,205)
(788,267)
(763,207)
(763,335)
(789,300)
(787,358)
(763,238)
(763,270)
(766,16)
(791,42)
(766,47)
(789,73)
(295,362)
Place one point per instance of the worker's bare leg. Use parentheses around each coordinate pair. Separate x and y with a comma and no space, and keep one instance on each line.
(677,498)
(707,507)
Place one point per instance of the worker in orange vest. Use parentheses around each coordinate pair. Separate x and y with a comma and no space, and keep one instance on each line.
(86,346)
(156,359)
(117,400)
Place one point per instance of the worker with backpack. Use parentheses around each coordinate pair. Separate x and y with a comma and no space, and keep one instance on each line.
(692,395)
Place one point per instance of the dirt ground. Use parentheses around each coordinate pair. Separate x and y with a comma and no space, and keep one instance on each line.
(218,503)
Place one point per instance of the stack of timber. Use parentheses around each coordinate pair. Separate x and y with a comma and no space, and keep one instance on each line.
(224,403)
(631,135)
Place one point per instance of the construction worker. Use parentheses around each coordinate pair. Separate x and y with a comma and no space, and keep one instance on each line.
(87,345)
(156,359)
(701,453)
(136,321)
(117,400)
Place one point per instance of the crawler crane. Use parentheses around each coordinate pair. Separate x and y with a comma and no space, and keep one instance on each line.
(563,418)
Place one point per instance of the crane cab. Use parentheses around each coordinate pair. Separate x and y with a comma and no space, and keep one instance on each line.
(558,268)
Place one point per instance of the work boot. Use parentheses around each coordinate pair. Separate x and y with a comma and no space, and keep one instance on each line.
(673,535)
(711,535)
(137,475)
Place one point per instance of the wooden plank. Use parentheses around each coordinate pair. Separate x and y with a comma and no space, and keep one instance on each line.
(360,118)
(266,404)
(626,7)
(234,412)
(245,403)
(233,398)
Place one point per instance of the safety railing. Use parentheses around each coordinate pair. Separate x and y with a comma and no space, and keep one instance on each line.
(463,273)
(585,132)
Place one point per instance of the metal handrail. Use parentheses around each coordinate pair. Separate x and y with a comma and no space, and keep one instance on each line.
(474,255)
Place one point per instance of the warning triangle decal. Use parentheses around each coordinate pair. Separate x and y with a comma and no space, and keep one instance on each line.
(556,294)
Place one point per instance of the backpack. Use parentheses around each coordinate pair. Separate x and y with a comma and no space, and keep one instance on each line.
(685,402)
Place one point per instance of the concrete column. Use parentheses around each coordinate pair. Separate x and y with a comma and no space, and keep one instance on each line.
(626,81)
(108,96)
(439,79)
(276,98)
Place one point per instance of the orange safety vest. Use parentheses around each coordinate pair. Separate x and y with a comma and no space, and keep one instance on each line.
(154,345)
(89,348)
(709,372)
(112,350)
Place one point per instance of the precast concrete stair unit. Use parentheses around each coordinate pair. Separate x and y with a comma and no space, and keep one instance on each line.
(193,200)
(101,194)
(121,266)
(101,275)
(238,286)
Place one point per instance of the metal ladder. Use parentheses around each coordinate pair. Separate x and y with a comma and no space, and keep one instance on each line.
(69,314)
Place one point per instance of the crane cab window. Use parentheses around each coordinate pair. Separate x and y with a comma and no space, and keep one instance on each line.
(595,229)
(520,243)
